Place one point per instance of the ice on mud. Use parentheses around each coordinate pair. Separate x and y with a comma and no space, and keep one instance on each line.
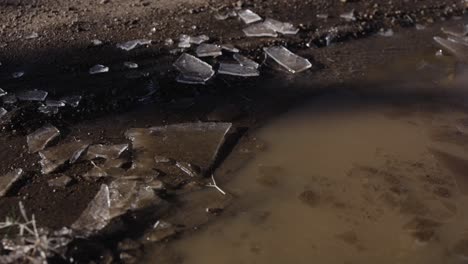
(17,75)
(193,70)
(349,16)
(60,182)
(129,45)
(7,181)
(209,50)
(99,68)
(39,139)
(9,99)
(244,61)
(32,95)
(55,103)
(3,92)
(259,30)
(189,169)
(237,69)
(290,61)
(458,31)
(105,151)
(113,201)
(230,48)
(72,101)
(48,110)
(194,143)
(197,40)
(248,16)
(111,167)
(3,112)
(54,157)
(457,47)
(284,28)
(130,65)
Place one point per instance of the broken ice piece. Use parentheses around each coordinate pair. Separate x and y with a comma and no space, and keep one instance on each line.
(259,30)
(7,181)
(54,157)
(99,68)
(2,92)
(160,231)
(48,110)
(32,95)
(236,69)
(32,36)
(17,75)
(184,41)
(209,50)
(349,16)
(9,99)
(244,61)
(420,27)
(458,49)
(129,45)
(130,65)
(193,68)
(112,201)
(181,78)
(55,103)
(60,182)
(96,42)
(105,151)
(162,159)
(281,27)
(322,16)
(3,112)
(386,33)
(39,139)
(198,39)
(189,169)
(456,31)
(72,101)
(248,16)
(230,48)
(292,62)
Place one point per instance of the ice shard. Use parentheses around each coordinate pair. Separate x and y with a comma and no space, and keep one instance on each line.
(7,181)
(209,50)
(39,139)
(460,50)
(99,68)
(129,45)
(130,65)
(3,112)
(237,69)
(248,16)
(259,30)
(105,151)
(32,95)
(193,69)
(54,157)
(290,61)
(244,61)
(284,28)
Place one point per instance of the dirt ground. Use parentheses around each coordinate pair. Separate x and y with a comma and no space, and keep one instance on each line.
(59,58)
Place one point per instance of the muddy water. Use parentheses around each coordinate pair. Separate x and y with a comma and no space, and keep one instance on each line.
(366,174)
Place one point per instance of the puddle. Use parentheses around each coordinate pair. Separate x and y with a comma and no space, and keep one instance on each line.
(353,177)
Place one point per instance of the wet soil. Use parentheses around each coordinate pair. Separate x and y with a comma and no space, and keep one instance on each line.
(59,59)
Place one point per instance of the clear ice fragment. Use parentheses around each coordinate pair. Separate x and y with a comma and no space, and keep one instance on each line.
(60,182)
(349,16)
(17,75)
(131,65)
(259,30)
(54,157)
(184,41)
(55,103)
(281,27)
(420,27)
(2,92)
(3,112)
(129,45)
(193,69)
(105,151)
(189,169)
(113,201)
(237,69)
(48,110)
(209,50)
(456,48)
(99,68)
(230,48)
(72,101)
(32,95)
(39,139)
(248,16)
(96,42)
(456,31)
(198,39)
(7,181)
(292,62)
(244,61)
(386,33)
